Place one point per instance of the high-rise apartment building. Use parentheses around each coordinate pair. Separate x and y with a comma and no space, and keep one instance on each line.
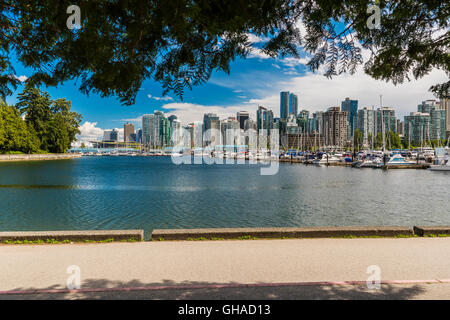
(284,104)
(211,130)
(155,130)
(335,127)
(129,134)
(264,119)
(351,107)
(417,128)
(242,116)
(437,114)
(293,104)
(366,124)
(389,120)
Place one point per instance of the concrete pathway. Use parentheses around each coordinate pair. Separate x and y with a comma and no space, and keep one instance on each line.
(410,268)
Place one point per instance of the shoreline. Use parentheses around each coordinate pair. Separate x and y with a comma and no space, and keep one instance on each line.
(216,234)
(37,157)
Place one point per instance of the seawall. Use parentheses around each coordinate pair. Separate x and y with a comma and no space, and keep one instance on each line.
(277,233)
(75,235)
(37,157)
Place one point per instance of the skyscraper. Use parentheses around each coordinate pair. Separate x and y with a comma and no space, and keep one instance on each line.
(335,127)
(155,132)
(437,118)
(417,128)
(241,117)
(389,120)
(284,104)
(264,119)
(366,124)
(293,104)
(128,132)
(351,107)
(211,130)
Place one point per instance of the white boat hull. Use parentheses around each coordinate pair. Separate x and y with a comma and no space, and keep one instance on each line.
(440,168)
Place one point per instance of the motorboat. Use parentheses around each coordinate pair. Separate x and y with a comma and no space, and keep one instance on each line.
(326,159)
(398,160)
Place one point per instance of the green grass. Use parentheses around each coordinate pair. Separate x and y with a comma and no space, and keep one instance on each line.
(66,241)
(437,235)
(197,239)
(246,238)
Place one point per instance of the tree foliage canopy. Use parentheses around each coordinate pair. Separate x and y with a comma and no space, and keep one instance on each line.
(50,123)
(179,43)
(15,135)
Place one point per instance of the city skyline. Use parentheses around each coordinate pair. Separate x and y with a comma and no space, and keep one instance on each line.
(336,126)
(255,81)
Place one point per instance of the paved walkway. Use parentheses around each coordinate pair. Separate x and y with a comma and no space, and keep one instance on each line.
(256,269)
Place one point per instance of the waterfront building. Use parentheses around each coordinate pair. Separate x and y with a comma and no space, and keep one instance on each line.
(284,104)
(312,125)
(146,120)
(264,119)
(211,129)
(155,130)
(427,105)
(129,133)
(242,116)
(304,141)
(293,104)
(139,135)
(111,135)
(176,132)
(437,114)
(400,127)
(417,128)
(335,127)
(292,126)
(318,116)
(196,134)
(250,124)
(250,133)
(231,132)
(366,124)
(351,107)
(389,120)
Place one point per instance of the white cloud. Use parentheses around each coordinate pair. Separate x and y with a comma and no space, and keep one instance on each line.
(189,112)
(316,92)
(167,98)
(90,132)
(21,78)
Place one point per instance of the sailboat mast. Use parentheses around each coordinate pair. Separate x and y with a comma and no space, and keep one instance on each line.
(382,123)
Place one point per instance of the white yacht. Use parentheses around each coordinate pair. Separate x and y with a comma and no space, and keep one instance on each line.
(398,159)
(325,161)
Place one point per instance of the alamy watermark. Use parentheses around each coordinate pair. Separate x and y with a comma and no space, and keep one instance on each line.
(232,147)
(374,21)
(74,280)
(374,280)
(74,20)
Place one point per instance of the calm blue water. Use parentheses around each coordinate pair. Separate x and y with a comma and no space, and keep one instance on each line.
(149,193)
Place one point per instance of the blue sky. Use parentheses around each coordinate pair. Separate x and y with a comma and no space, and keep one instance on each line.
(252,82)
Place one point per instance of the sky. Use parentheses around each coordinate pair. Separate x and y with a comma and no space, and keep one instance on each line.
(257,80)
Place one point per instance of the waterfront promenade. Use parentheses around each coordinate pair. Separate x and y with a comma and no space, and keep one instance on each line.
(411,268)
